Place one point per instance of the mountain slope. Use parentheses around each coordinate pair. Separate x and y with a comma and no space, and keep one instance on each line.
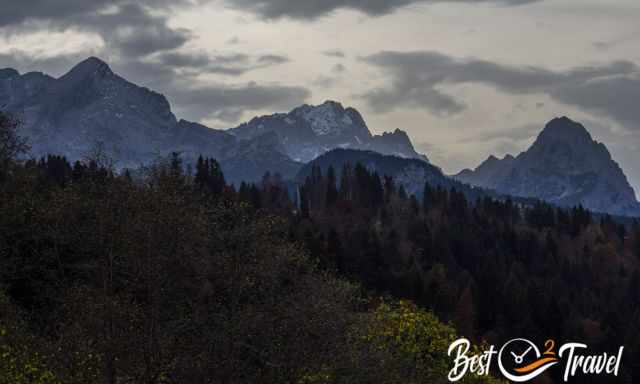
(412,174)
(91,104)
(564,166)
(309,131)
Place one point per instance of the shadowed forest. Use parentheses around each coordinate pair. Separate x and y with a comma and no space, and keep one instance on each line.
(167,274)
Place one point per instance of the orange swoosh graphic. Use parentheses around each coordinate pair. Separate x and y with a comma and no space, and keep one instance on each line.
(535,365)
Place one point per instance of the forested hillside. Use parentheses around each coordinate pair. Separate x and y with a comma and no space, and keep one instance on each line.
(494,268)
(166,277)
(163,276)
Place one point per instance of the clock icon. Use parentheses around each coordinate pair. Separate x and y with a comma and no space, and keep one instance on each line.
(520,360)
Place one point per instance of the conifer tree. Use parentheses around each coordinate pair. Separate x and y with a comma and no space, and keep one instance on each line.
(332,190)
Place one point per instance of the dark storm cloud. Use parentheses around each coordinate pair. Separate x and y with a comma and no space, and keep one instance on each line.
(228,103)
(16,12)
(298,9)
(234,64)
(127,27)
(615,96)
(417,80)
(132,30)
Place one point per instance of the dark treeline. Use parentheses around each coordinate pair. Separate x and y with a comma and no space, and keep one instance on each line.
(496,269)
(161,276)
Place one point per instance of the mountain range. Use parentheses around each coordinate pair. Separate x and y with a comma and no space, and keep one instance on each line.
(309,131)
(91,105)
(564,166)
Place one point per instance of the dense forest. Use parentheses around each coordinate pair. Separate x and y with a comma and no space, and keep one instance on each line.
(494,268)
(163,276)
(167,274)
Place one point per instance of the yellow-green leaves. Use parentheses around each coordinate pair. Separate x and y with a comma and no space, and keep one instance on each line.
(20,362)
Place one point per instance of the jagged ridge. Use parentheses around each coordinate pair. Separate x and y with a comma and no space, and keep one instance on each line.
(309,131)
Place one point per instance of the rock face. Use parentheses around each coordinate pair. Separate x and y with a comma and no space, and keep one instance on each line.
(309,131)
(564,166)
(91,104)
(489,173)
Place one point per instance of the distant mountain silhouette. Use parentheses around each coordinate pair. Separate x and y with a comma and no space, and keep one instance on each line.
(564,166)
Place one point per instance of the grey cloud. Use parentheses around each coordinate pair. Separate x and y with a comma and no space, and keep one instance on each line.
(233,64)
(615,96)
(510,135)
(409,95)
(335,53)
(417,79)
(133,30)
(325,81)
(272,59)
(150,74)
(603,45)
(17,12)
(144,48)
(338,68)
(233,41)
(297,9)
(606,45)
(127,27)
(148,40)
(227,103)
(184,60)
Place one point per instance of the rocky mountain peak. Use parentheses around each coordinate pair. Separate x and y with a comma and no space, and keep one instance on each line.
(566,130)
(311,130)
(329,118)
(567,144)
(91,67)
(397,137)
(8,73)
(491,159)
(564,166)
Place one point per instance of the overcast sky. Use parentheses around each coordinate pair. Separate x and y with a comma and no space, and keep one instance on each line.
(465,78)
